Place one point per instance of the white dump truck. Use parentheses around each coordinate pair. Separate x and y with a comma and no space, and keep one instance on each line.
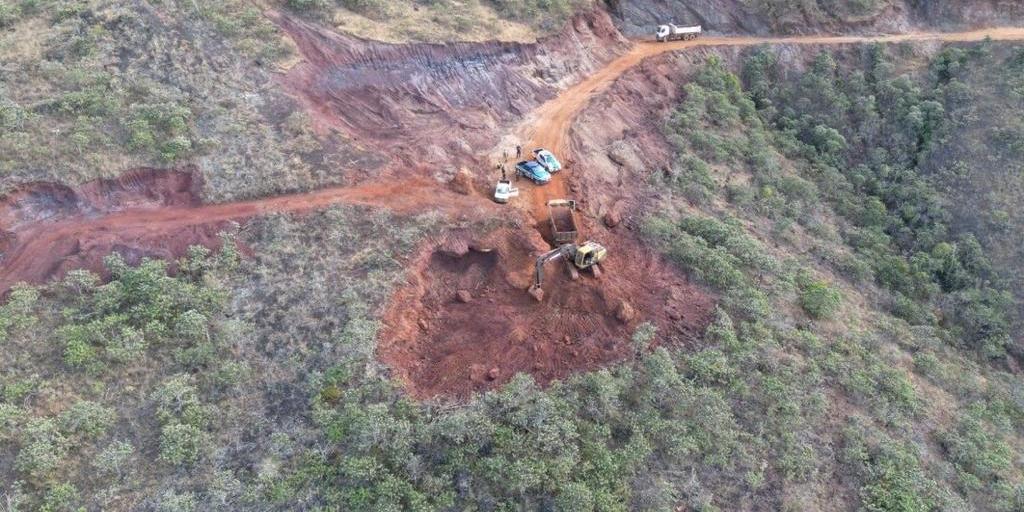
(671,32)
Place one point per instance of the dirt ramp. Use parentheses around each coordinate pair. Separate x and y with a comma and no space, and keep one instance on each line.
(464,322)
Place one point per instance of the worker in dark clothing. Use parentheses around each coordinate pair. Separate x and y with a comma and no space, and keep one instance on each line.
(519,152)
(504,172)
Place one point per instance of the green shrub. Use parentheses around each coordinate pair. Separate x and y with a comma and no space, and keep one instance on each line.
(819,299)
(981,456)
(42,448)
(691,176)
(369,8)
(114,457)
(61,498)
(171,501)
(17,391)
(18,312)
(88,419)
(307,5)
(78,353)
(9,14)
(160,129)
(177,399)
(180,443)
(11,417)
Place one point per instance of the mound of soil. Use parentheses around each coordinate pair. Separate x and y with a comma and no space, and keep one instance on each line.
(465,322)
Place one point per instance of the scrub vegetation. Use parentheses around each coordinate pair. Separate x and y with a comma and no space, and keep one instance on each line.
(89,89)
(854,162)
(858,215)
(443,20)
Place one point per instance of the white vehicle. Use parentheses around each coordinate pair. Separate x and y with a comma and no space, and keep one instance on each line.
(671,32)
(505,191)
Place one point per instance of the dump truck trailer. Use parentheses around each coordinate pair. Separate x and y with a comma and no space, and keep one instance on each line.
(563,220)
(671,32)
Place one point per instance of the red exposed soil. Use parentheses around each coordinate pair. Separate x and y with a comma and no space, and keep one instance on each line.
(141,188)
(440,345)
(442,103)
(454,101)
(154,214)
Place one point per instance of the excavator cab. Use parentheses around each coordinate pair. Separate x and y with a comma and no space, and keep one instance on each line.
(589,254)
(584,256)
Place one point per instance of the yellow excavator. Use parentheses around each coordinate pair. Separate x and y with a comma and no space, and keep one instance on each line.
(577,257)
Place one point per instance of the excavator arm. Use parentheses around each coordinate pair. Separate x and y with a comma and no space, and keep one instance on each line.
(537,290)
(538,276)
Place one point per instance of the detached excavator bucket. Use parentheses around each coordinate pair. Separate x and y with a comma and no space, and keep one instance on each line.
(536,292)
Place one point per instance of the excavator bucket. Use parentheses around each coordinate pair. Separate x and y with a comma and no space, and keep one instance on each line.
(536,292)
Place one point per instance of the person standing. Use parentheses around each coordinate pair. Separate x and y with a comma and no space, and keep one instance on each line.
(519,151)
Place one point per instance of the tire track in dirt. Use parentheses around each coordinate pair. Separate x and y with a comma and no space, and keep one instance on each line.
(33,251)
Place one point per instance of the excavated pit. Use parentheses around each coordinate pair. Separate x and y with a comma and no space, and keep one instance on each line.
(464,321)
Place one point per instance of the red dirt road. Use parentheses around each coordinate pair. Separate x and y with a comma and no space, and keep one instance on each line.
(49,247)
(32,252)
(549,125)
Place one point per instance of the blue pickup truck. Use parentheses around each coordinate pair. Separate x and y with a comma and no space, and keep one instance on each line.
(533,171)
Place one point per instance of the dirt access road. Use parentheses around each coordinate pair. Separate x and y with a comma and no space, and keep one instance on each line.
(35,251)
(550,125)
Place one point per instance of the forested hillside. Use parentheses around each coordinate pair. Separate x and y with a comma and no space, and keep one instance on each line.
(850,217)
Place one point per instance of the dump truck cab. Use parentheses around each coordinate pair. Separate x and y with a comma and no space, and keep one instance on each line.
(671,32)
(663,32)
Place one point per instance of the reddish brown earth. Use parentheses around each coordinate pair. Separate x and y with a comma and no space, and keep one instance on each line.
(433,104)
(153,217)
(439,344)
(438,103)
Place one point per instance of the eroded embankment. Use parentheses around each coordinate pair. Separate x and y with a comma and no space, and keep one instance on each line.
(43,225)
(438,103)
